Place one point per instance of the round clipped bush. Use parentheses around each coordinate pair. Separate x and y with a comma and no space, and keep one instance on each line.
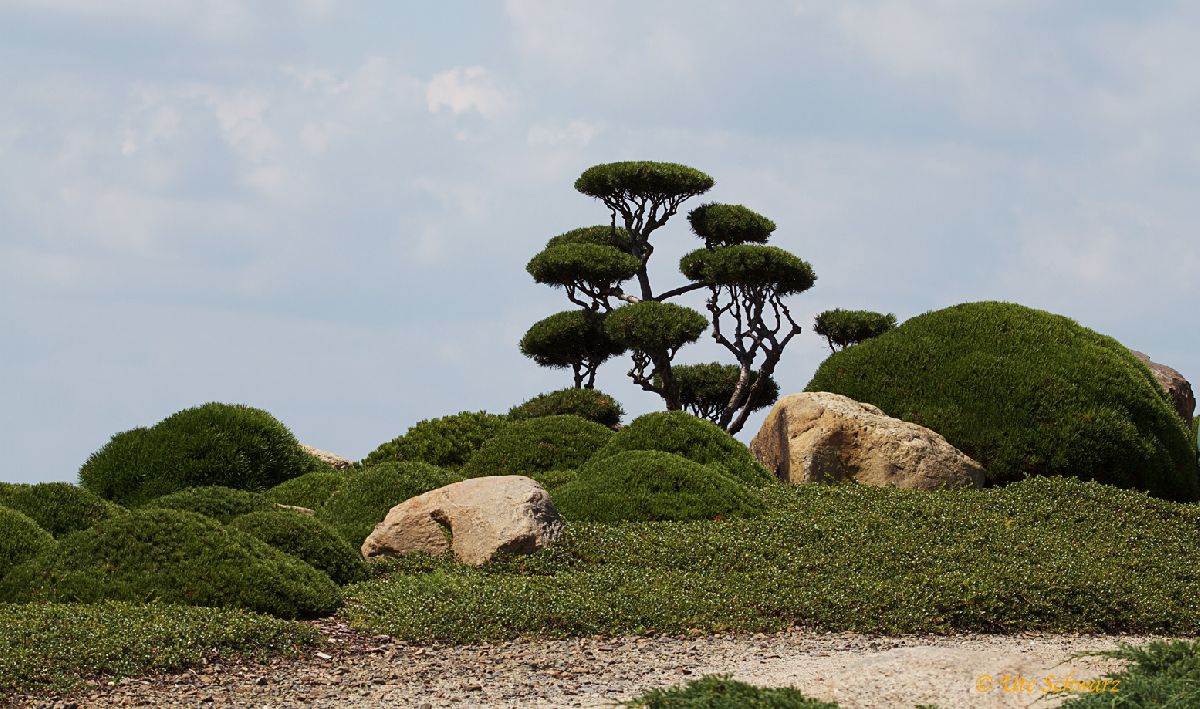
(749,266)
(665,179)
(59,508)
(647,485)
(567,263)
(651,326)
(365,498)
(308,539)
(214,444)
(729,225)
(842,328)
(446,442)
(20,539)
(172,556)
(693,438)
(569,339)
(602,235)
(1023,392)
(310,490)
(537,446)
(220,503)
(590,404)
(705,389)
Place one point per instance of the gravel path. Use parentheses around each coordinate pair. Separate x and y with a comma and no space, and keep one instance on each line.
(853,670)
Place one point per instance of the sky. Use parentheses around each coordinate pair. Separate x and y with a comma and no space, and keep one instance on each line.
(324,209)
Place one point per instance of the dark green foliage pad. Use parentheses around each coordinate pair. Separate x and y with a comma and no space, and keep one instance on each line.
(220,503)
(537,446)
(310,490)
(590,404)
(446,442)
(749,266)
(850,327)
(661,180)
(729,225)
(307,539)
(705,389)
(653,327)
(20,539)
(58,508)
(715,692)
(1024,392)
(365,498)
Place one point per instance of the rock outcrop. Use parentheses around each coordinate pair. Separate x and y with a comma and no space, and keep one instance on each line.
(824,437)
(333,459)
(476,519)
(1178,388)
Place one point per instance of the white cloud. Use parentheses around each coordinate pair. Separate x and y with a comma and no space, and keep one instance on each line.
(466,89)
(576,133)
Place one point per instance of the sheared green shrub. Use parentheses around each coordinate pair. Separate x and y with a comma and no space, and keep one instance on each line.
(58,508)
(590,404)
(705,389)
(693,438)
(213,444)
(646,486)
(1024,392)
(310,490)
(729,225)
(537,446)
(721,692)
(1162,673)
(173,557)
(842,328)
(365,498)
(307,539)
(220,503)
(20,539)
(446,442)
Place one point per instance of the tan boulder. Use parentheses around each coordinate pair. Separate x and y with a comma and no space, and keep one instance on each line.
(1178,388)
(476,518)
(824,437)
(333,459)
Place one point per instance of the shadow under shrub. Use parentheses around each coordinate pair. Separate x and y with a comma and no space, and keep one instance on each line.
(693,438)
(173,557)
(1023,392)
(310,490)
(220,503)
(308,539)
(365,498)
(645,486)
(20,539)
(537,446)
(590,404)
(214,444)
(59,508)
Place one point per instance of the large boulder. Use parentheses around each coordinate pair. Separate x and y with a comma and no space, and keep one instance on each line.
(333,460)
(1178,388)
(476,518)
(823,437)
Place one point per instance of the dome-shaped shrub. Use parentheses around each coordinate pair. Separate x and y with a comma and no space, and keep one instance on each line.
(220,503)
(214,444)
(310,490)
(172,557)
(20,539)
(652,485)
(58,508)
(365,498)
(693,438)
(590,404)
(538,445)
(307,539)
(1024,392)
(446,442)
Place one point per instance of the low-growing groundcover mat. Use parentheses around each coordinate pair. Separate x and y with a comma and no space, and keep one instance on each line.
(1162,674)
(1023,391)
(51,647)
(1044,554)
(716,692)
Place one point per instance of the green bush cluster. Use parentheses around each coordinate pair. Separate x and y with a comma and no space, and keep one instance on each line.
(721,692)
(590,404)
(693,438)
(1023,392)
(59,508)
(365,498)
(173,557)
(842,328)
(310,490)
(705,389)
(447,442)
(536,446)
(642,486)
(220,503)
(1162,673)
(213,444)
(20,539)
(54,647)
(308,539)
(729,225)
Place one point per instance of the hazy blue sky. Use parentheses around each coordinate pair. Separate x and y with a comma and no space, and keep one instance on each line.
(325,208)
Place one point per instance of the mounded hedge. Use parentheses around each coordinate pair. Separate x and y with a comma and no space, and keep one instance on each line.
(176,557)
(220,503)
(696,439)
(591,404)
(59,508)
(538,446)
(647,485)
(365,498)
(1024,392)
(310,490)
(20,539)
(446,442)
(213,444)
(308,539)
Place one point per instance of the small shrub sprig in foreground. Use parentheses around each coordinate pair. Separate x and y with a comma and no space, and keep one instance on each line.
(717,692)
(1164,674)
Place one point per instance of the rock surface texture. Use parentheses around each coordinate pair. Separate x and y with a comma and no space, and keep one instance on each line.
(333,459)
(1179,389)
(476,519)
(820,437)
